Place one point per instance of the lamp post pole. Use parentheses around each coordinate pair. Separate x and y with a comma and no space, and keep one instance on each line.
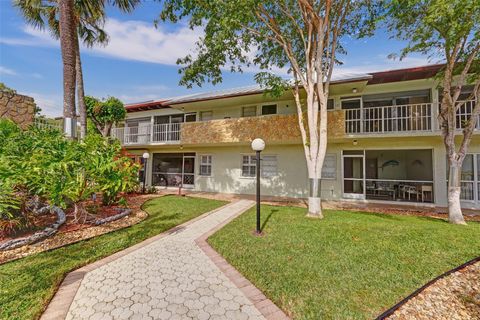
(258,192)
(258,145)
(145,156)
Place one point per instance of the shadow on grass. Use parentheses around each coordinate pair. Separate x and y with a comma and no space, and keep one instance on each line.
(272,211)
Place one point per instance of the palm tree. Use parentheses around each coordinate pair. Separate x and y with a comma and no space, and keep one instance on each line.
(71,21)
(67,45)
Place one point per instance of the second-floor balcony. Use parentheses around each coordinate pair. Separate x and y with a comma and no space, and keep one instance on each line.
(411,118)
(396,120)
(148,134)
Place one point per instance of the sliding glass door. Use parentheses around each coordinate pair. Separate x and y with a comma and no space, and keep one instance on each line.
(173,169)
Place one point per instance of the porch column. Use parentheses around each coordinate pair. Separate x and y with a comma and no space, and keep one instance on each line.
(440,176)
(149,169)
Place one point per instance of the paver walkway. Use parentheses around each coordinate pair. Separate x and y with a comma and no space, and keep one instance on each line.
(171,278)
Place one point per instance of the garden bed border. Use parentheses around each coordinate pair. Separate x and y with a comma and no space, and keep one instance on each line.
(266,307)
(397,306)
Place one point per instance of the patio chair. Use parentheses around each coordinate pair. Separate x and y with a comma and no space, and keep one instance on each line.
(425,191)
(410,191)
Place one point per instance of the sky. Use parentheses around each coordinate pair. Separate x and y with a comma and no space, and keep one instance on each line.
(139,63)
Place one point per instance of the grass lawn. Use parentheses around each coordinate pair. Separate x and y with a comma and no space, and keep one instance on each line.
(346,266)
(26,285)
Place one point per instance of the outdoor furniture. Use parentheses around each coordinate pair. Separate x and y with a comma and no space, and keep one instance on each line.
(409,190)
(425,191)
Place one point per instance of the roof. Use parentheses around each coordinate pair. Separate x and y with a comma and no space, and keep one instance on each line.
(406,74)
(256,89)
(395,75)
(147,105)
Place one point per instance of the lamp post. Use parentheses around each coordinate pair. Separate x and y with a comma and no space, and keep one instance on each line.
(145,157)
(258,145)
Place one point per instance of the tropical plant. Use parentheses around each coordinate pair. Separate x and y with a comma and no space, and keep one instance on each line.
(302,37)
(79,20)
(105,113)
(449,31)
(43,163)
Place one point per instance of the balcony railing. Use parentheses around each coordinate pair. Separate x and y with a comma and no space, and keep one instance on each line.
(464,113)
(158,133)
(389,119)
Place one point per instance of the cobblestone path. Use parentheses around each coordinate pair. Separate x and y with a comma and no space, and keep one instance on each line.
(170,278)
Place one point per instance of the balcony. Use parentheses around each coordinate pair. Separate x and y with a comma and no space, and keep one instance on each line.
(147,134)
(388,120)
(411,118)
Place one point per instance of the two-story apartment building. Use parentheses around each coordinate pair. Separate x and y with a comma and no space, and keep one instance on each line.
(384,142)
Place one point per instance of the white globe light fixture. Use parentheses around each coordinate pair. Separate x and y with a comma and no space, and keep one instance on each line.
(145,157)
(258,145)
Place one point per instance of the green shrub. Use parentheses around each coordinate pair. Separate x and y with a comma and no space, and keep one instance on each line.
(43,163)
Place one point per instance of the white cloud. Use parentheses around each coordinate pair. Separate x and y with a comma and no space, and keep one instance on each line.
(7,71)
(129,40)
(50,104)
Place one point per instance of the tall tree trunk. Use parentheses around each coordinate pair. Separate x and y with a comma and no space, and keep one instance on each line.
(67,44)
(82,108)
(454,208)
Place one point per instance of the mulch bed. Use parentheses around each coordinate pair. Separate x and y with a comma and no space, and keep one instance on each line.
(454,297)
(73,232)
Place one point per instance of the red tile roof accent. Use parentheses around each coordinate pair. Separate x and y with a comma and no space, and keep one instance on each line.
(406,74)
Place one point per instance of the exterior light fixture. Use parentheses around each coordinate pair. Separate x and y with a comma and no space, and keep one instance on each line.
(145,157)
(258,145)
(355,142)
(354,90)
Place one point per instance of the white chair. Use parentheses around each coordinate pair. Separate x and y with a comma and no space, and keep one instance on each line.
(425,190)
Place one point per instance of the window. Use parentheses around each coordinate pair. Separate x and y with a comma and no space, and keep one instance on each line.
(191,117)
(269,109)
(351,103)
(248,166)
(206,115)
(249,111)
(330,104)
(205,165)
(269,166)
(329,170)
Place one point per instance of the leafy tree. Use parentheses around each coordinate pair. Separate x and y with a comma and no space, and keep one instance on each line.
(449,31)
(105,113)
(302,36)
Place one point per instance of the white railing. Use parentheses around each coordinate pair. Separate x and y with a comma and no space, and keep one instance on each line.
(464,114)
(161,133)
(389,119)
(44,123)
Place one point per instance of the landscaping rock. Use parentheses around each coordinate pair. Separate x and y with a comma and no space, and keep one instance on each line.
(123,213)
(37,236)
(456,296)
